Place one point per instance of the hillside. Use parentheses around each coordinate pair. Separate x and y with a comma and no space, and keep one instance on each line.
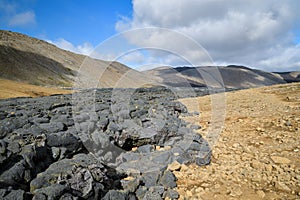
(24,59)
(13,89)
(30,60)
(233,76)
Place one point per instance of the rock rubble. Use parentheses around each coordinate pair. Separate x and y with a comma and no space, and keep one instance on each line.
(96,144)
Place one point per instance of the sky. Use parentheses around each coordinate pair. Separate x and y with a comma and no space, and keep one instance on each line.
(141,33)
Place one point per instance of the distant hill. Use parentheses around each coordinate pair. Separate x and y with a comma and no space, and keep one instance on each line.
(233,76)
(34,61)
(29,60)
(289,77)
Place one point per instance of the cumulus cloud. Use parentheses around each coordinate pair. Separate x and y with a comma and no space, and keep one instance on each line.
(256,33)
(85,49)
(13,15)
(133,57)
(287,58)
(22,19)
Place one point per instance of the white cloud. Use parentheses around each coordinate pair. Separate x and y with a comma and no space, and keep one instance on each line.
(256,33)
(22,19)
(133,57)
(12,13)
(288,58)
(85,49)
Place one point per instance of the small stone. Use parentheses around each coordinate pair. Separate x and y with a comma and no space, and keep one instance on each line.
(130,183)
(15,194)
(172,194)
(140,192)
(150,178)
(175,166)
(236,192)
(168,180)
(256,164)
(189,193)
(236,145)
(288,123)
(134,148)
(145,148)
(55,152)
(280,160)
(282,186)
(114,194)
(166,148)
(133,172)
(128,178)
(150,196)
(14,147)
(259,129)
(157,189)
(205,185)
(184,167)
(261,194)
(176,154)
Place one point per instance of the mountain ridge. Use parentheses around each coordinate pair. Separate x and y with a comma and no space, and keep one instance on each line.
(33,61)
(232,76)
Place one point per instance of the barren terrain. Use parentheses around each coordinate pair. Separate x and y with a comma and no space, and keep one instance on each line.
(12,89)
(257,153)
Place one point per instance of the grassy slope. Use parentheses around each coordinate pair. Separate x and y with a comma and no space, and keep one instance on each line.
(12,89)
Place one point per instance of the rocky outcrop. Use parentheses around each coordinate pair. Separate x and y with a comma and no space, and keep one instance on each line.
(103,143)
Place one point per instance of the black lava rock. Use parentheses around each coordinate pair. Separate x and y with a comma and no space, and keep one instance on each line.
(80,146)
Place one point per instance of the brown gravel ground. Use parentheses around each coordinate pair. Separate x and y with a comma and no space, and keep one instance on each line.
(256,155)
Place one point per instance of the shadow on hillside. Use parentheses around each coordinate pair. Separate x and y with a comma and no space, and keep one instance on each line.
(232,76)
(33,68)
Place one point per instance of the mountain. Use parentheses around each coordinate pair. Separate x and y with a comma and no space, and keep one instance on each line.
(233,76)
(34,61)
(289,77)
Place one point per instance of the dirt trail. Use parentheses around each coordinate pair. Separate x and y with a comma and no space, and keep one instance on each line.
(256,155)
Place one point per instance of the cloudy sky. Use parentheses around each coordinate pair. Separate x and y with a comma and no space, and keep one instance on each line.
(260,34)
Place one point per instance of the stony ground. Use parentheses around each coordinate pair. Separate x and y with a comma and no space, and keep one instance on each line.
(256,155)
(96,144)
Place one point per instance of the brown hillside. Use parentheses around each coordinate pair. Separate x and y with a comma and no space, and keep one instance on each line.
(34,61)
(12,89)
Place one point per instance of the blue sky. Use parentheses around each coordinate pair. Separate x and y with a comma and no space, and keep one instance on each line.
(76,21)
(260,34)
